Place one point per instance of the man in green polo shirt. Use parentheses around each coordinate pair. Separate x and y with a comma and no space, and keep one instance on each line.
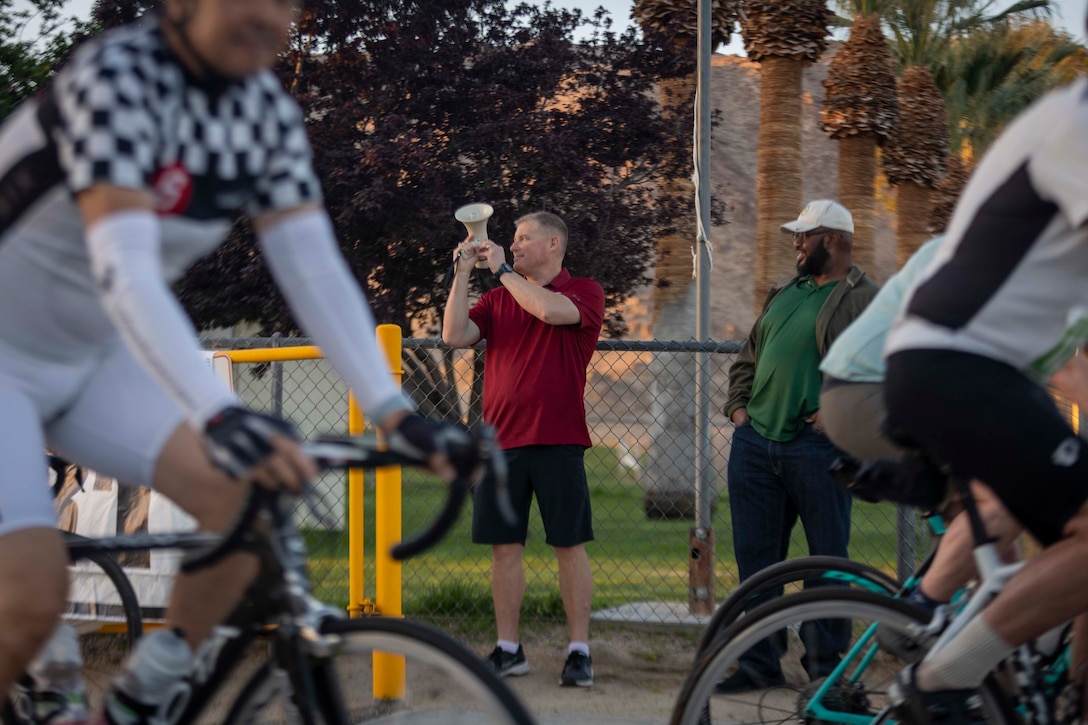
(779,459)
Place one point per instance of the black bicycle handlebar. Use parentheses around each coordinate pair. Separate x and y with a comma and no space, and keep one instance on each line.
(471,461)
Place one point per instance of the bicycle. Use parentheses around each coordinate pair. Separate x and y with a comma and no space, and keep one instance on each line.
(811,571)
(848,685)
(114,603)
(311,660)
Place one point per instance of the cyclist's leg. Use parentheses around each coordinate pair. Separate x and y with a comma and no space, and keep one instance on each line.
(33,561)
(200,601)
(852,415)
(124,425)
(958,407)
(954,562)
(1078,661)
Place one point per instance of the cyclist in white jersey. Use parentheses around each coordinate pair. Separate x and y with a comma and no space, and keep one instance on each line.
(112,182)
(1001,307)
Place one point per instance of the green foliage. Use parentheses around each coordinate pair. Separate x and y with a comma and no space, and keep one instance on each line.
(34,39)
(633,559)
(922,31)
(415,110)
(989,78)
(989,58)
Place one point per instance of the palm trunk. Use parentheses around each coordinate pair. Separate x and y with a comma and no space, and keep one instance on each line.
(857,174)
(778,170)
(914,203)
(673,265)
(668,479)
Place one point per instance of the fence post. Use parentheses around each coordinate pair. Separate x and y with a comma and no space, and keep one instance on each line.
(906,554)
(277,381)
(357,603)
(388,669)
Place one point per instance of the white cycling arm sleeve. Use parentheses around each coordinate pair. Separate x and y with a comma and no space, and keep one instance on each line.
(125,258)
(311,272)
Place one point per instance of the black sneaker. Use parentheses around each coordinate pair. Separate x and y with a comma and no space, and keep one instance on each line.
(503,663)
(578,671)
(912,706)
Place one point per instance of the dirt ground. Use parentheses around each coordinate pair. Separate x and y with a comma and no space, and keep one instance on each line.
(637,672)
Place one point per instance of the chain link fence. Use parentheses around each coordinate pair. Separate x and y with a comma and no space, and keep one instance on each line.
(640,408)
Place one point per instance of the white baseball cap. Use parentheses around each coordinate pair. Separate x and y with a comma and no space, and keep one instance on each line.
(822,214)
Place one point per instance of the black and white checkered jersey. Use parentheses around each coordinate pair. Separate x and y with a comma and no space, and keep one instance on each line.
(125,112)
(1011,282)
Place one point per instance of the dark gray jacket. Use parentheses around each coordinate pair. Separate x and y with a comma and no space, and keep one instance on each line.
(849,298)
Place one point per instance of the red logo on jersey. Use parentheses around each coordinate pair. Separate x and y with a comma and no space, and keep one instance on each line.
(173,188)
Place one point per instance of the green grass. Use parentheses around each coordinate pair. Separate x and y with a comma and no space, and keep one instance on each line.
(633,558)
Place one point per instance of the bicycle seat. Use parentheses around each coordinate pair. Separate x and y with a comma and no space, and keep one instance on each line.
(912,481)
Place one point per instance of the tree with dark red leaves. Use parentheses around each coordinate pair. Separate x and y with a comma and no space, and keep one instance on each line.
(415,109)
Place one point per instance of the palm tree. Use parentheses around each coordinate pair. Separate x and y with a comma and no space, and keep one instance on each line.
(668,478)
(947,192)
(672,27)
(989,78)
(914,158)
(781,35)
(930,33)
(923,31)
(860,109)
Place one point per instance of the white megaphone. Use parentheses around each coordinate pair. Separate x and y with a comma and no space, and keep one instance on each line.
(474,217)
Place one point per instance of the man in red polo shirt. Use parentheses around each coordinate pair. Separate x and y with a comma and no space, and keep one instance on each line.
(541,327)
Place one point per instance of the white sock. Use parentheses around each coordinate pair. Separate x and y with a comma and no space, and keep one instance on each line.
(582,647)
(507,646)
(966,660)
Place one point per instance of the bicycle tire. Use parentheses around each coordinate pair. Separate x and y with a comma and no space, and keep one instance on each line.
(422,644)
(789,572)
(129,605)
(788,702)
(102,654)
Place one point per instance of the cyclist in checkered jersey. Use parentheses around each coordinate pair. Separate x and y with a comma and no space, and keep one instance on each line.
(125,171)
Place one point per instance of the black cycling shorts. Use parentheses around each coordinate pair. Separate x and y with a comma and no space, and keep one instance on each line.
(988,421)
(557,475)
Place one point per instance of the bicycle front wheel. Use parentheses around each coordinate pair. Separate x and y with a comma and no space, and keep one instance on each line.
(104,610)
(788,576)
(823,656)
(420,676)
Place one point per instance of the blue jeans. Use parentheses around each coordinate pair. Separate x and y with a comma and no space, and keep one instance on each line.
(771,485)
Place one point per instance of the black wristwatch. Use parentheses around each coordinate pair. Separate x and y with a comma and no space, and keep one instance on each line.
(503,269)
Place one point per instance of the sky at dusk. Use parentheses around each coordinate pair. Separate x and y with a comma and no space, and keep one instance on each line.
(1070,16)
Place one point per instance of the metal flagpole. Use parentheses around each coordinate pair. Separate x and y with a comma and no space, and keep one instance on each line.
(701,571)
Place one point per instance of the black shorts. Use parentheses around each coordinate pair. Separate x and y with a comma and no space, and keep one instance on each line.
(988,421)
(557,475)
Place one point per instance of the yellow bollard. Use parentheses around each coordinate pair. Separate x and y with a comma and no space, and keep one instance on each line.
(357,603)
(389,675)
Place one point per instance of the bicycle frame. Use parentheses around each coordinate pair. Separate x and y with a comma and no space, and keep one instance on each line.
(280,598)
(280,601)
(993,576)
